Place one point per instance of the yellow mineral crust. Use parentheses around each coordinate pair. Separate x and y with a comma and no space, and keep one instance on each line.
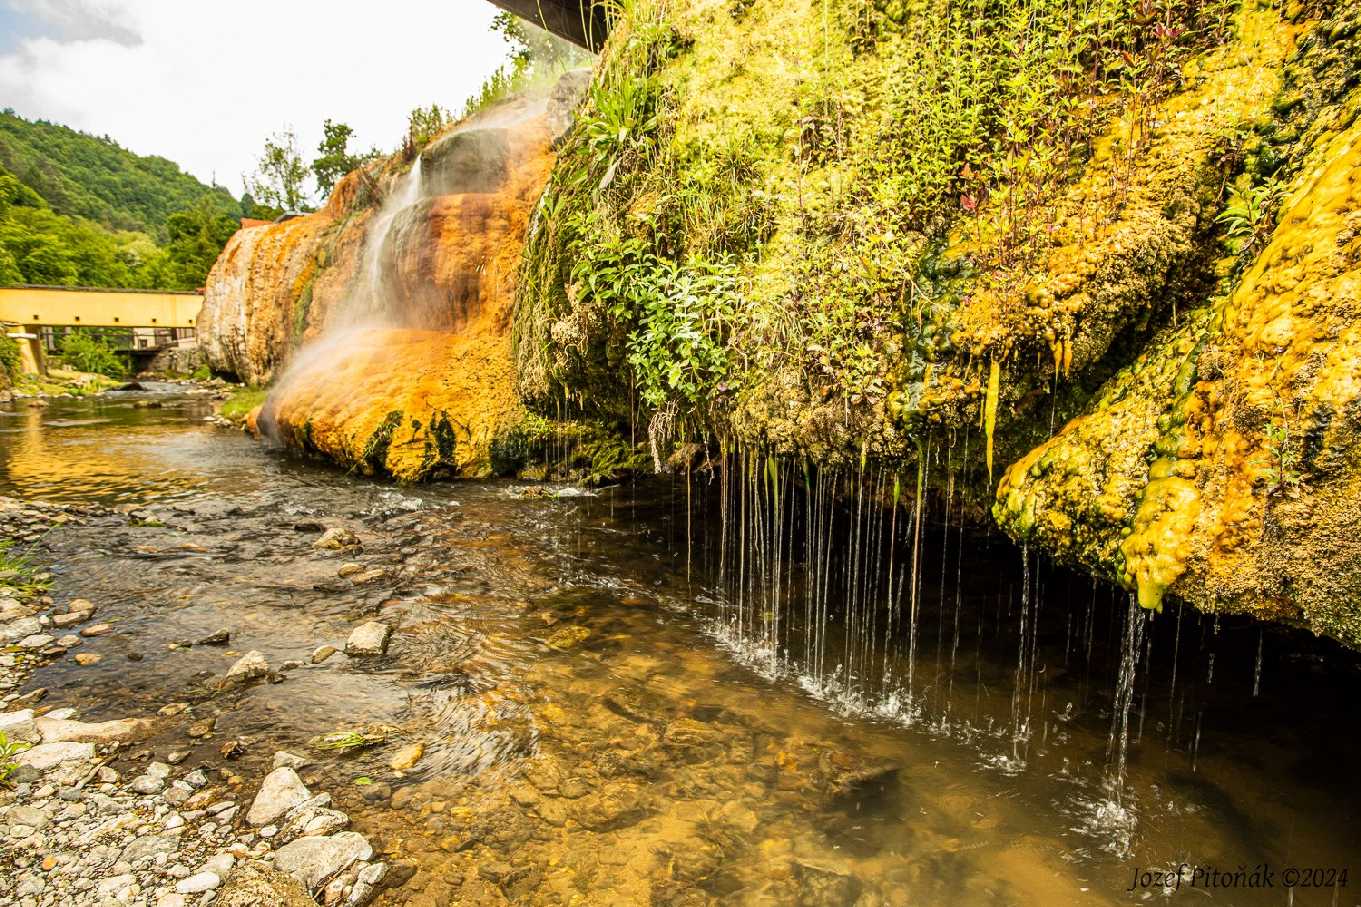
(409,373)
(1119,232)
(1251,410)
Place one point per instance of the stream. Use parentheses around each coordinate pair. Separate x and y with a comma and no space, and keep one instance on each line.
(602,726)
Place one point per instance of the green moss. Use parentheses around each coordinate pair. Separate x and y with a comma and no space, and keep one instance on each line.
(242,401)
(756,245)
(374,458)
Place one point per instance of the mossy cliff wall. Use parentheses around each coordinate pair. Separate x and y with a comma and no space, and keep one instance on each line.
(1104,246)
(385,328)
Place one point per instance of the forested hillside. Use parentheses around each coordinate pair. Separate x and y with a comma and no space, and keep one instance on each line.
(76,210)
(95,178)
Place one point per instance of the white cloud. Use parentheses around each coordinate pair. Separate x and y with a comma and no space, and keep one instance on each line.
(204,83)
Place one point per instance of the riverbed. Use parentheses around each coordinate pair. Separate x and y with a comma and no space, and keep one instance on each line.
(593,731)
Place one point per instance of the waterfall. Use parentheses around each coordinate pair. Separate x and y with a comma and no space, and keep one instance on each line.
(370,297)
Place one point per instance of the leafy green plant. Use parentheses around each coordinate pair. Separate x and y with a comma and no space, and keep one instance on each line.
(8,750)
(87,351)
(1249,216)
(9,356)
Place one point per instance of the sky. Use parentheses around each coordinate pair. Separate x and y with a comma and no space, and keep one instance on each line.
(204,83)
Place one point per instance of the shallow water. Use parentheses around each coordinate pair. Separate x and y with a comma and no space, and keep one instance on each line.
(596,733)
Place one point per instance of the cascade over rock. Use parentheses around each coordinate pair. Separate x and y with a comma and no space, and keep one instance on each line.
(383,319)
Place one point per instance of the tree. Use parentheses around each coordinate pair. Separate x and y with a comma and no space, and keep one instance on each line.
(280,174)
(197,235)
(422,125)
(334,160)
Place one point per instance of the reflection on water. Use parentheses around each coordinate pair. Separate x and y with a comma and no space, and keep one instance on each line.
(594,733)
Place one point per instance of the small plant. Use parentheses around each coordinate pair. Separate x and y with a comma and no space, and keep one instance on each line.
(349,741)
(1249,217)
(1283,457)
(8,750)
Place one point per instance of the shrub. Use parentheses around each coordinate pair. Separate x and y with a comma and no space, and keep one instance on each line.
(88,352)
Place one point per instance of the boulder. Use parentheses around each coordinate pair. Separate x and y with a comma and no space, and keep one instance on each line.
(281,790)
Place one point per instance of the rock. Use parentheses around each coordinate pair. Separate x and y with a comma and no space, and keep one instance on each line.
(366,885)
(27,815)
(97,630)
(368,640)
(256,884)
(85,659)
(46,755)
(335,538)
(173,899)
(19,726)
(18,629)
(70,641)
(406,757)
(349,570)
(175,757)
(147,785)
(322,653)
(170,710)
(220,638)
(221,864)
(36,641)
(147,846)
(311,819)
(250,666)
(314,861)
(69,620)
(281,790)
(202,728)
(199,882)
(55,730)
(568,637)
(158,770)
(284,759)
(196,779)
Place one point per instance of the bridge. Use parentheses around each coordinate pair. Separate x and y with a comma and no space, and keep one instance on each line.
(27,310)
(585,23)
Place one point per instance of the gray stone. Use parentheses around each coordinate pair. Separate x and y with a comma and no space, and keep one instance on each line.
(147,785)
(18,629)
(281,790)
(19,726)
(199,882)
(46,755)
(250,666)
(56,730)
(314,861)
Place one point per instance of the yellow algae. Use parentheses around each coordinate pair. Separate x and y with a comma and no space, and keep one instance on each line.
(990,407)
